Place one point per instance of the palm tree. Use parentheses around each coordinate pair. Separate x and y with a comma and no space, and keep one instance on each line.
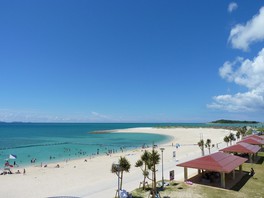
(238,134)
(201,145)
(153,160)
(143,161)
(231,138)
(208,145)
(261,130)
(125,167)
(116,169)
(243,131)
(122,166)
(226,139)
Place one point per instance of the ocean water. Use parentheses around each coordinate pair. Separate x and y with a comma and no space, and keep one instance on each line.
(51,142)
(56,142)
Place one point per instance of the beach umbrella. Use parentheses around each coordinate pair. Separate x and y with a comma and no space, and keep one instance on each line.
(11,156)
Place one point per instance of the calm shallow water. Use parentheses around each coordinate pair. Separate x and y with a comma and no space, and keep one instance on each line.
(52,142)
(56,142)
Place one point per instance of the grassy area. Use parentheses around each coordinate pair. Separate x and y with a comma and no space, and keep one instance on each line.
(253,187)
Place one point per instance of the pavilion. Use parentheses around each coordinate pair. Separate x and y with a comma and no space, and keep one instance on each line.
(253,140)
(254,136)
(217,162)
(243,148)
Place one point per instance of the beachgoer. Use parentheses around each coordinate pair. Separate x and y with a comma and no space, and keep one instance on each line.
(252,172)
(24,171)
(7,163)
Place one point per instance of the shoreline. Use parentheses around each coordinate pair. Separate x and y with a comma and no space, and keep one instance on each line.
(94,155)
(94,179)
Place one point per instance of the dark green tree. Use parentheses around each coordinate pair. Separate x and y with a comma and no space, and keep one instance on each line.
(154,159)
(243,131)
(144,162)
(238,135)
(119,169)
(226,140)
(201,145)
(231,138)
(209,145)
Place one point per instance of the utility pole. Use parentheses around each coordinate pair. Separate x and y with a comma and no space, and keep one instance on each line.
(162,149)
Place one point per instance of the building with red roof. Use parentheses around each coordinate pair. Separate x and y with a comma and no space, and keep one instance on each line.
(243,148)
(254,136)
(253,140)
(216,162)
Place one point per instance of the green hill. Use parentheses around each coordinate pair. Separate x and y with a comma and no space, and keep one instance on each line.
(222,121)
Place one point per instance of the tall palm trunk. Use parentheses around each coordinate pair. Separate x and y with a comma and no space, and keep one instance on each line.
(144,180)
(121,180)
(154,181)
(153,193)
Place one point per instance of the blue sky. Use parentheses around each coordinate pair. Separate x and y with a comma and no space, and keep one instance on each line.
(131,61)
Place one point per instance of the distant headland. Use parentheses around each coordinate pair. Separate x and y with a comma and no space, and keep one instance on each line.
(222,121)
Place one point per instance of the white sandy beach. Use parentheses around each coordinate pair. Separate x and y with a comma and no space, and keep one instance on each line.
(93,178)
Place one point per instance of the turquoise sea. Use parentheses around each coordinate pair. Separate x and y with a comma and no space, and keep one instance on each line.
(51,142)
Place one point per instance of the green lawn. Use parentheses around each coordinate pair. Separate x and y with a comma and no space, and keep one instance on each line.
(252,188)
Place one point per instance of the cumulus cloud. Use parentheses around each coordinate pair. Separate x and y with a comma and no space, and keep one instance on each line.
(246,73)
(241,36)
(232,6)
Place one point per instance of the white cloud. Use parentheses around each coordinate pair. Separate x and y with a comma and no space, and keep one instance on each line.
(226,71)
(8,115)
(232,6)
(27,115)
(98,116)
(246,73)
(241,36)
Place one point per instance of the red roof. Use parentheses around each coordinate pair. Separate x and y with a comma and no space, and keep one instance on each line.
(254,136)
(218,162)
(242,147)
(251,140)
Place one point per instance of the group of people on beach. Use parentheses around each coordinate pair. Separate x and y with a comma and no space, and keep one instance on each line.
(8,171)
(7,164)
